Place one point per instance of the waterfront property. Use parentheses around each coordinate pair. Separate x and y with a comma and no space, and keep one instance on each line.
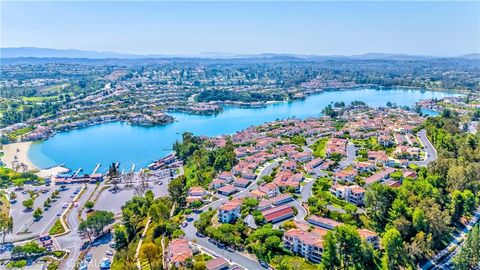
(141,145)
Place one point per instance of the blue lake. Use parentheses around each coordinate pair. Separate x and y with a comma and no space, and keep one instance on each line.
(118,142)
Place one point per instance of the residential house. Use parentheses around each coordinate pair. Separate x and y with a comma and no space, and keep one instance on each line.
(303,243)
(229,211)
(218,263)
(178,252)
(345,175)
(241,182)
(371,237)
(381,175)
(270,189)
(227,190)
(278,213)
(227,176)
(323,222)
(281,199)
(364,167)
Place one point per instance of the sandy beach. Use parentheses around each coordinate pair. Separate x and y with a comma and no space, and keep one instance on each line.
(17,152)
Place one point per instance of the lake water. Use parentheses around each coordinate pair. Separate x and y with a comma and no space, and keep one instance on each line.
(118,142)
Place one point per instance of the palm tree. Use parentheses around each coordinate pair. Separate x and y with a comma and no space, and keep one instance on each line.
(113,175)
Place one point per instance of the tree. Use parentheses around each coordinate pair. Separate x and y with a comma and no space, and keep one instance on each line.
(13,196)
(37,214)
(133,213)
(6,224)
(89,205)
(469,255)
(330,259)
(343,248)
(160,209)
(176,189)
(378,201)
(28,203)
(394,255)
(120,236)
(457,204)
(46,204)
(468,201)
(419,220)
(27,250)
(149,251)
(95,223)
(113,175)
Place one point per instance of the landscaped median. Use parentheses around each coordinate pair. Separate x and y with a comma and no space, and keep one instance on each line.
(31,251)
(62,220)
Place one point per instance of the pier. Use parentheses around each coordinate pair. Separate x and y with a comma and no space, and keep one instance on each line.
(96,168)
(76,172)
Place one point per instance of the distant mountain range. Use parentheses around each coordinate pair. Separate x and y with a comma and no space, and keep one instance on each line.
(32,52)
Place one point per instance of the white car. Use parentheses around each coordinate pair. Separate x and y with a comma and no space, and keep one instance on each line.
(109,252)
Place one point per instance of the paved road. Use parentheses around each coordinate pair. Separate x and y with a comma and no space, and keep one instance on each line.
(73,241)
(306,190)
(235,257)
(351,155)
(301,211)
(431,153)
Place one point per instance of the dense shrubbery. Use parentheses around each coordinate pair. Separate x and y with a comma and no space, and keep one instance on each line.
(9,177)
(201,164)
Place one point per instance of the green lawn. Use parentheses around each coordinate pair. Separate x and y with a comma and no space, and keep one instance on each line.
(292,262)
(56,228)
(319,147)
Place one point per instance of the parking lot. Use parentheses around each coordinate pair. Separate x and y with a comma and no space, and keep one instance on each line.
(113,201)
(100,250)
(24,225)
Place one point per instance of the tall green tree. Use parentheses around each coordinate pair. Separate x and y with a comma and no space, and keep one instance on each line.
(394,255)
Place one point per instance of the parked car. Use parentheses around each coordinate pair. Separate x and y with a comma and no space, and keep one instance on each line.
(109,252)
(184,224)
(105,264)
(263,264)
(88,257)
(83,266)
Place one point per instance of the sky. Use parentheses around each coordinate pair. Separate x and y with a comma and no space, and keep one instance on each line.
(186,28)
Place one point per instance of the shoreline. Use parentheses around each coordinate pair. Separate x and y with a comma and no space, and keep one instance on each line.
(18,153)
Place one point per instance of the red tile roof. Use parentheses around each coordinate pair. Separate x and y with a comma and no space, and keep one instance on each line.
(277,212)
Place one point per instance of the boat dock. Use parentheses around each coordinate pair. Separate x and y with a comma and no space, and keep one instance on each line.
(96,168)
